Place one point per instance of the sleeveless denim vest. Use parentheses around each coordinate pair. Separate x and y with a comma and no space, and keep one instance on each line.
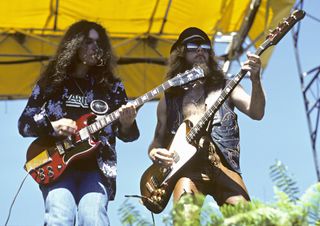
(224,133)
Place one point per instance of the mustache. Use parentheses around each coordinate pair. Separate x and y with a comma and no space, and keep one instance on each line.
(200,55)
(100,57)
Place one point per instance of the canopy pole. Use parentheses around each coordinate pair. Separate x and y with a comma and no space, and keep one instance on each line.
(55,25)
(235,48)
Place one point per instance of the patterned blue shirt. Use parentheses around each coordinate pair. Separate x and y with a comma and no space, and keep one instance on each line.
(73,101)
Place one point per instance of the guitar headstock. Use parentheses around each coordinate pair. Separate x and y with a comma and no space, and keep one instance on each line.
(282,29)
(187,76)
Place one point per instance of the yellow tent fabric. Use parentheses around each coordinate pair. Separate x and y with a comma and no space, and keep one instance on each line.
(138,29)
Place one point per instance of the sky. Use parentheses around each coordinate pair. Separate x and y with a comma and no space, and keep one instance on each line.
(281,135)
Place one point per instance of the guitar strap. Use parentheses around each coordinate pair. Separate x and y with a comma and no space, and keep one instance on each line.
(209,125)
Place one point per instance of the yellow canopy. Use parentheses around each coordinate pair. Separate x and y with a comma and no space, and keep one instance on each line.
(142,33)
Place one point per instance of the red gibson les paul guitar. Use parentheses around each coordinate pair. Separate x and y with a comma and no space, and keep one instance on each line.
(157,183)
(47,158)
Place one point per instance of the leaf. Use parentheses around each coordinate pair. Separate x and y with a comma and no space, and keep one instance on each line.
(280,176)
(130,216)
(311,201)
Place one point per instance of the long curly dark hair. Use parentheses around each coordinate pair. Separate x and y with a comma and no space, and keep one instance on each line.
(63,62)
(177,64)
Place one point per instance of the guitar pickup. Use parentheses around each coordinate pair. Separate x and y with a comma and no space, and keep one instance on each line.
(149,188)
(84,134)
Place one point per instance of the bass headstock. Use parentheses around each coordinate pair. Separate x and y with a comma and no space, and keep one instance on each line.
(282,29)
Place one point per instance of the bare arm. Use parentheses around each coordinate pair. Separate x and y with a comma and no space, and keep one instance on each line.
(254,105)
(160,139)
(157,149)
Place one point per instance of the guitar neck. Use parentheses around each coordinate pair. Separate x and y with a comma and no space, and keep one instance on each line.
(106,120)
(196,131)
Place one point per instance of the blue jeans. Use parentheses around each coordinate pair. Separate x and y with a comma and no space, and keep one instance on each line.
(79,194)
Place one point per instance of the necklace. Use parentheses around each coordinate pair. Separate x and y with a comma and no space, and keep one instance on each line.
(78,86)
(193,85)
(194,97)
(198,101)
(198,93)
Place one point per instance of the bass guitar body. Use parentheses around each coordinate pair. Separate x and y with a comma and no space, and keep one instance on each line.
(157,183)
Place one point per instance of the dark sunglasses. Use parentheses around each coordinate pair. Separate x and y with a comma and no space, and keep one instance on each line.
(191,47)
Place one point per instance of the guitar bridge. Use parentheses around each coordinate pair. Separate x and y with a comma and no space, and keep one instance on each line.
(60,148)
(67,143)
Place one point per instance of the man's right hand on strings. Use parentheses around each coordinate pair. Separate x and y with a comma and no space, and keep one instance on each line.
(161,156)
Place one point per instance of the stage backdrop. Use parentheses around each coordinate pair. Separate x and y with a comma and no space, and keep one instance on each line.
(142,33)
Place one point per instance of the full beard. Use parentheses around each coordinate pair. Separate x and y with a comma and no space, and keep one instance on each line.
(95,58)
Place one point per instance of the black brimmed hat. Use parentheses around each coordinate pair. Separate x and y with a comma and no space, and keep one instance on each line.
(191,34)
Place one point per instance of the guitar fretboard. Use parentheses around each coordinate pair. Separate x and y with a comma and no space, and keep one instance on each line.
(106,120)
(195,132)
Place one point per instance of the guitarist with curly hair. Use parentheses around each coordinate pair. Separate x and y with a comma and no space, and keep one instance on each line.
(79,80)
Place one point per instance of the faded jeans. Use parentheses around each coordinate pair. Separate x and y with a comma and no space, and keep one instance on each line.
(78,196)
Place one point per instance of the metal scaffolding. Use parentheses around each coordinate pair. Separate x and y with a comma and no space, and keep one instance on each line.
(310,87)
